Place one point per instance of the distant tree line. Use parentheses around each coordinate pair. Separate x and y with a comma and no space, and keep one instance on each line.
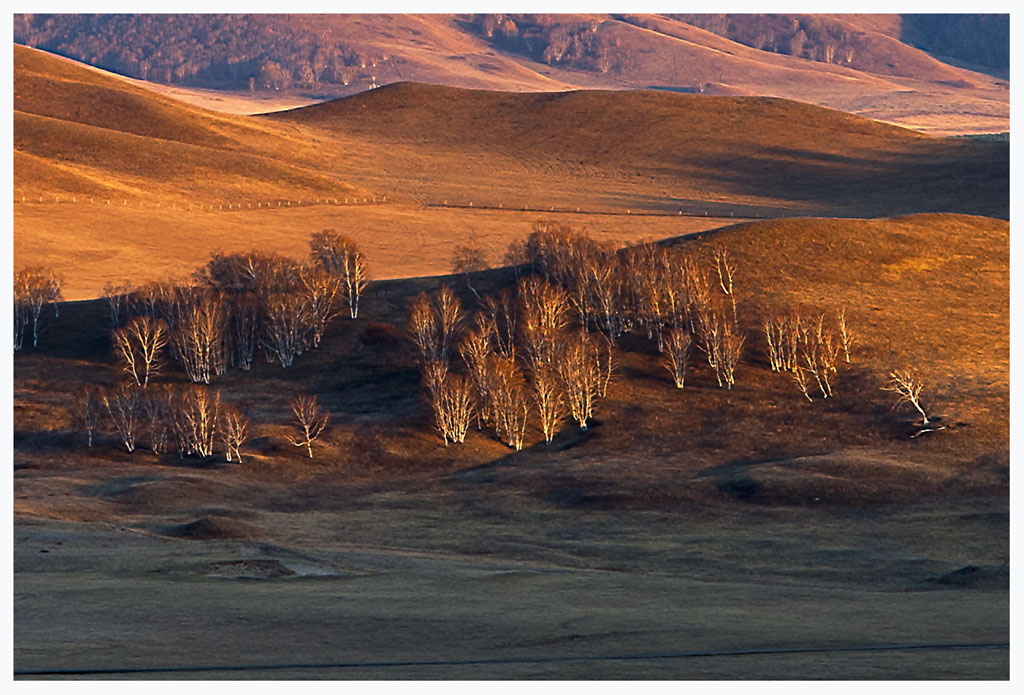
(254,51)
(979,39)
(564,40)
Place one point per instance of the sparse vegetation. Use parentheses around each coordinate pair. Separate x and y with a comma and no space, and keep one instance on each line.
(907,384)
(310,420)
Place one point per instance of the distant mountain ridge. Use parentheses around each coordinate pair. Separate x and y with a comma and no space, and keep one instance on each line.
(337,52)
(862,64)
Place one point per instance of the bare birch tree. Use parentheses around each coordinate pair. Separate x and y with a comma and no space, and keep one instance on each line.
(726,269)
(907,384)
(501,311)
(140,345)
(199,410)
(198,337)
(423,329)
(543,319)
(310,420)
(22,316)
(677,352)
(320,290)
(549,398)
(156,409)
(435,324)
(34,288)
(509,400)
(475,348)
(467,260)
(453,407)
(731,348)
(116,297)
(449,320)
(285,329)
(235,431)
(579,369)
(124,405)
(88,411)
(845,334)
(340,257)
(243,328)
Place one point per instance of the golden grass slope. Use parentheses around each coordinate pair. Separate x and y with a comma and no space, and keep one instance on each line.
(80,132)
(659,150)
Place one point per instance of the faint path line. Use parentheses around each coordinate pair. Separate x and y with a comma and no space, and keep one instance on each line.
(709,213)
(760,651)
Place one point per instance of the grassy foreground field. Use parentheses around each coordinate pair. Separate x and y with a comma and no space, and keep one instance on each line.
(687,534)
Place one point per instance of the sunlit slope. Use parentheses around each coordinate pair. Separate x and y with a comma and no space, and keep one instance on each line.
(77,131)
(931,291)
(793,157)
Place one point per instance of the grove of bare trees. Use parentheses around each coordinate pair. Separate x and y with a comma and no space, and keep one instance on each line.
(192,418)
(340,258)
(34,288)
(807,348)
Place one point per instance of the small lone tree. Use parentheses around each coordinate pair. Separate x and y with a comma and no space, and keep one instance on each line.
(309,419)
(466,260)
(845,334)
(234,429)
(906,383)
(89,402)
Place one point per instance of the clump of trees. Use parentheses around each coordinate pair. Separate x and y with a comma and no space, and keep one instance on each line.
(545,348)
(191,418)
(808,348)
(34,288)
(213,320)
(235,305)
(340,258)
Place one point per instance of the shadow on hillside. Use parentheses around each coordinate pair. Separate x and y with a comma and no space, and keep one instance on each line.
(970,177)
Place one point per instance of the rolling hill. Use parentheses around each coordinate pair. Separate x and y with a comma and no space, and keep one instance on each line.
(694,533)
(449,162)
(80,132)
(856,63)
(658,151)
